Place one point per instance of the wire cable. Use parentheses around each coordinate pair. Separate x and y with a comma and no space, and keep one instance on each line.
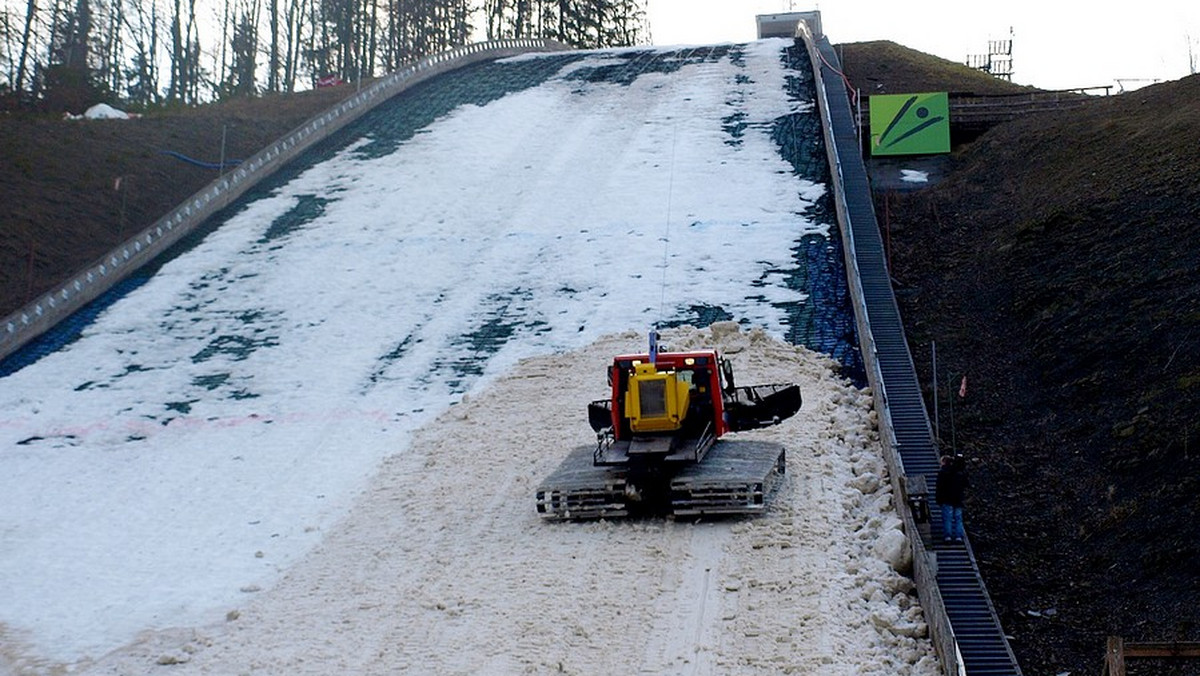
(662,300)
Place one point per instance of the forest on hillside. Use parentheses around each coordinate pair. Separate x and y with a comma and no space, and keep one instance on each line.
(58,55)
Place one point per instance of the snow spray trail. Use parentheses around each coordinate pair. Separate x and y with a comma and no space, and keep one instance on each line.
(197,435)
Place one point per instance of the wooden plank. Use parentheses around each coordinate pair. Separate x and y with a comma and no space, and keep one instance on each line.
(1118,650)
(1114,658)
(1186,649)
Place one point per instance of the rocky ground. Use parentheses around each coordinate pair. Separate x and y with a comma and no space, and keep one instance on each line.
(1055,266)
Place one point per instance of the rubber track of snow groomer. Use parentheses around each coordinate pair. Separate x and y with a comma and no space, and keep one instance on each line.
(737,477)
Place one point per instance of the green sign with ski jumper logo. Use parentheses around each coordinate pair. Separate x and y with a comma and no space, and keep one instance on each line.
(910,124)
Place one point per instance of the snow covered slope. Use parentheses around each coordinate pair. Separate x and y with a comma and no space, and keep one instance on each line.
(212,430)
(441,567)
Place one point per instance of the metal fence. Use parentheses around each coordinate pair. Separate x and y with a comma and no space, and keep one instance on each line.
(980,112)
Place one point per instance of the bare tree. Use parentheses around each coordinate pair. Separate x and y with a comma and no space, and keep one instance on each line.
(221,58)
(494,12)
(112,45)
(294,39)
(178,48)
(244,51)
(184,86)
(273,45)
(1191,49)
(6,43)
(26,43)
(141,74)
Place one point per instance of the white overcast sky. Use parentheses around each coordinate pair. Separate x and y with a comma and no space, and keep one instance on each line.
(1057,44)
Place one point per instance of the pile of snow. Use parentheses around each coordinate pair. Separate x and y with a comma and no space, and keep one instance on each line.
(443,566)
(914,176)
(102,111)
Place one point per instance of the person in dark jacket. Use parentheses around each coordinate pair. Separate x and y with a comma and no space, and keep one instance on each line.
(951,489)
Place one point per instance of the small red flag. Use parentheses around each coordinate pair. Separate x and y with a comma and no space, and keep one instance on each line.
(962,389)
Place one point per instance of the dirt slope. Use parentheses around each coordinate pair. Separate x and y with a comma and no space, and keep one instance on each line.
(58,178)
(884,67)
(1057,266)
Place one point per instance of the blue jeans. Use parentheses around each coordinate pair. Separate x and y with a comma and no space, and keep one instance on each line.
(952,526)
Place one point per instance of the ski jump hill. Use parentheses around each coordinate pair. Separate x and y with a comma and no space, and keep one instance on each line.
(295,425)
